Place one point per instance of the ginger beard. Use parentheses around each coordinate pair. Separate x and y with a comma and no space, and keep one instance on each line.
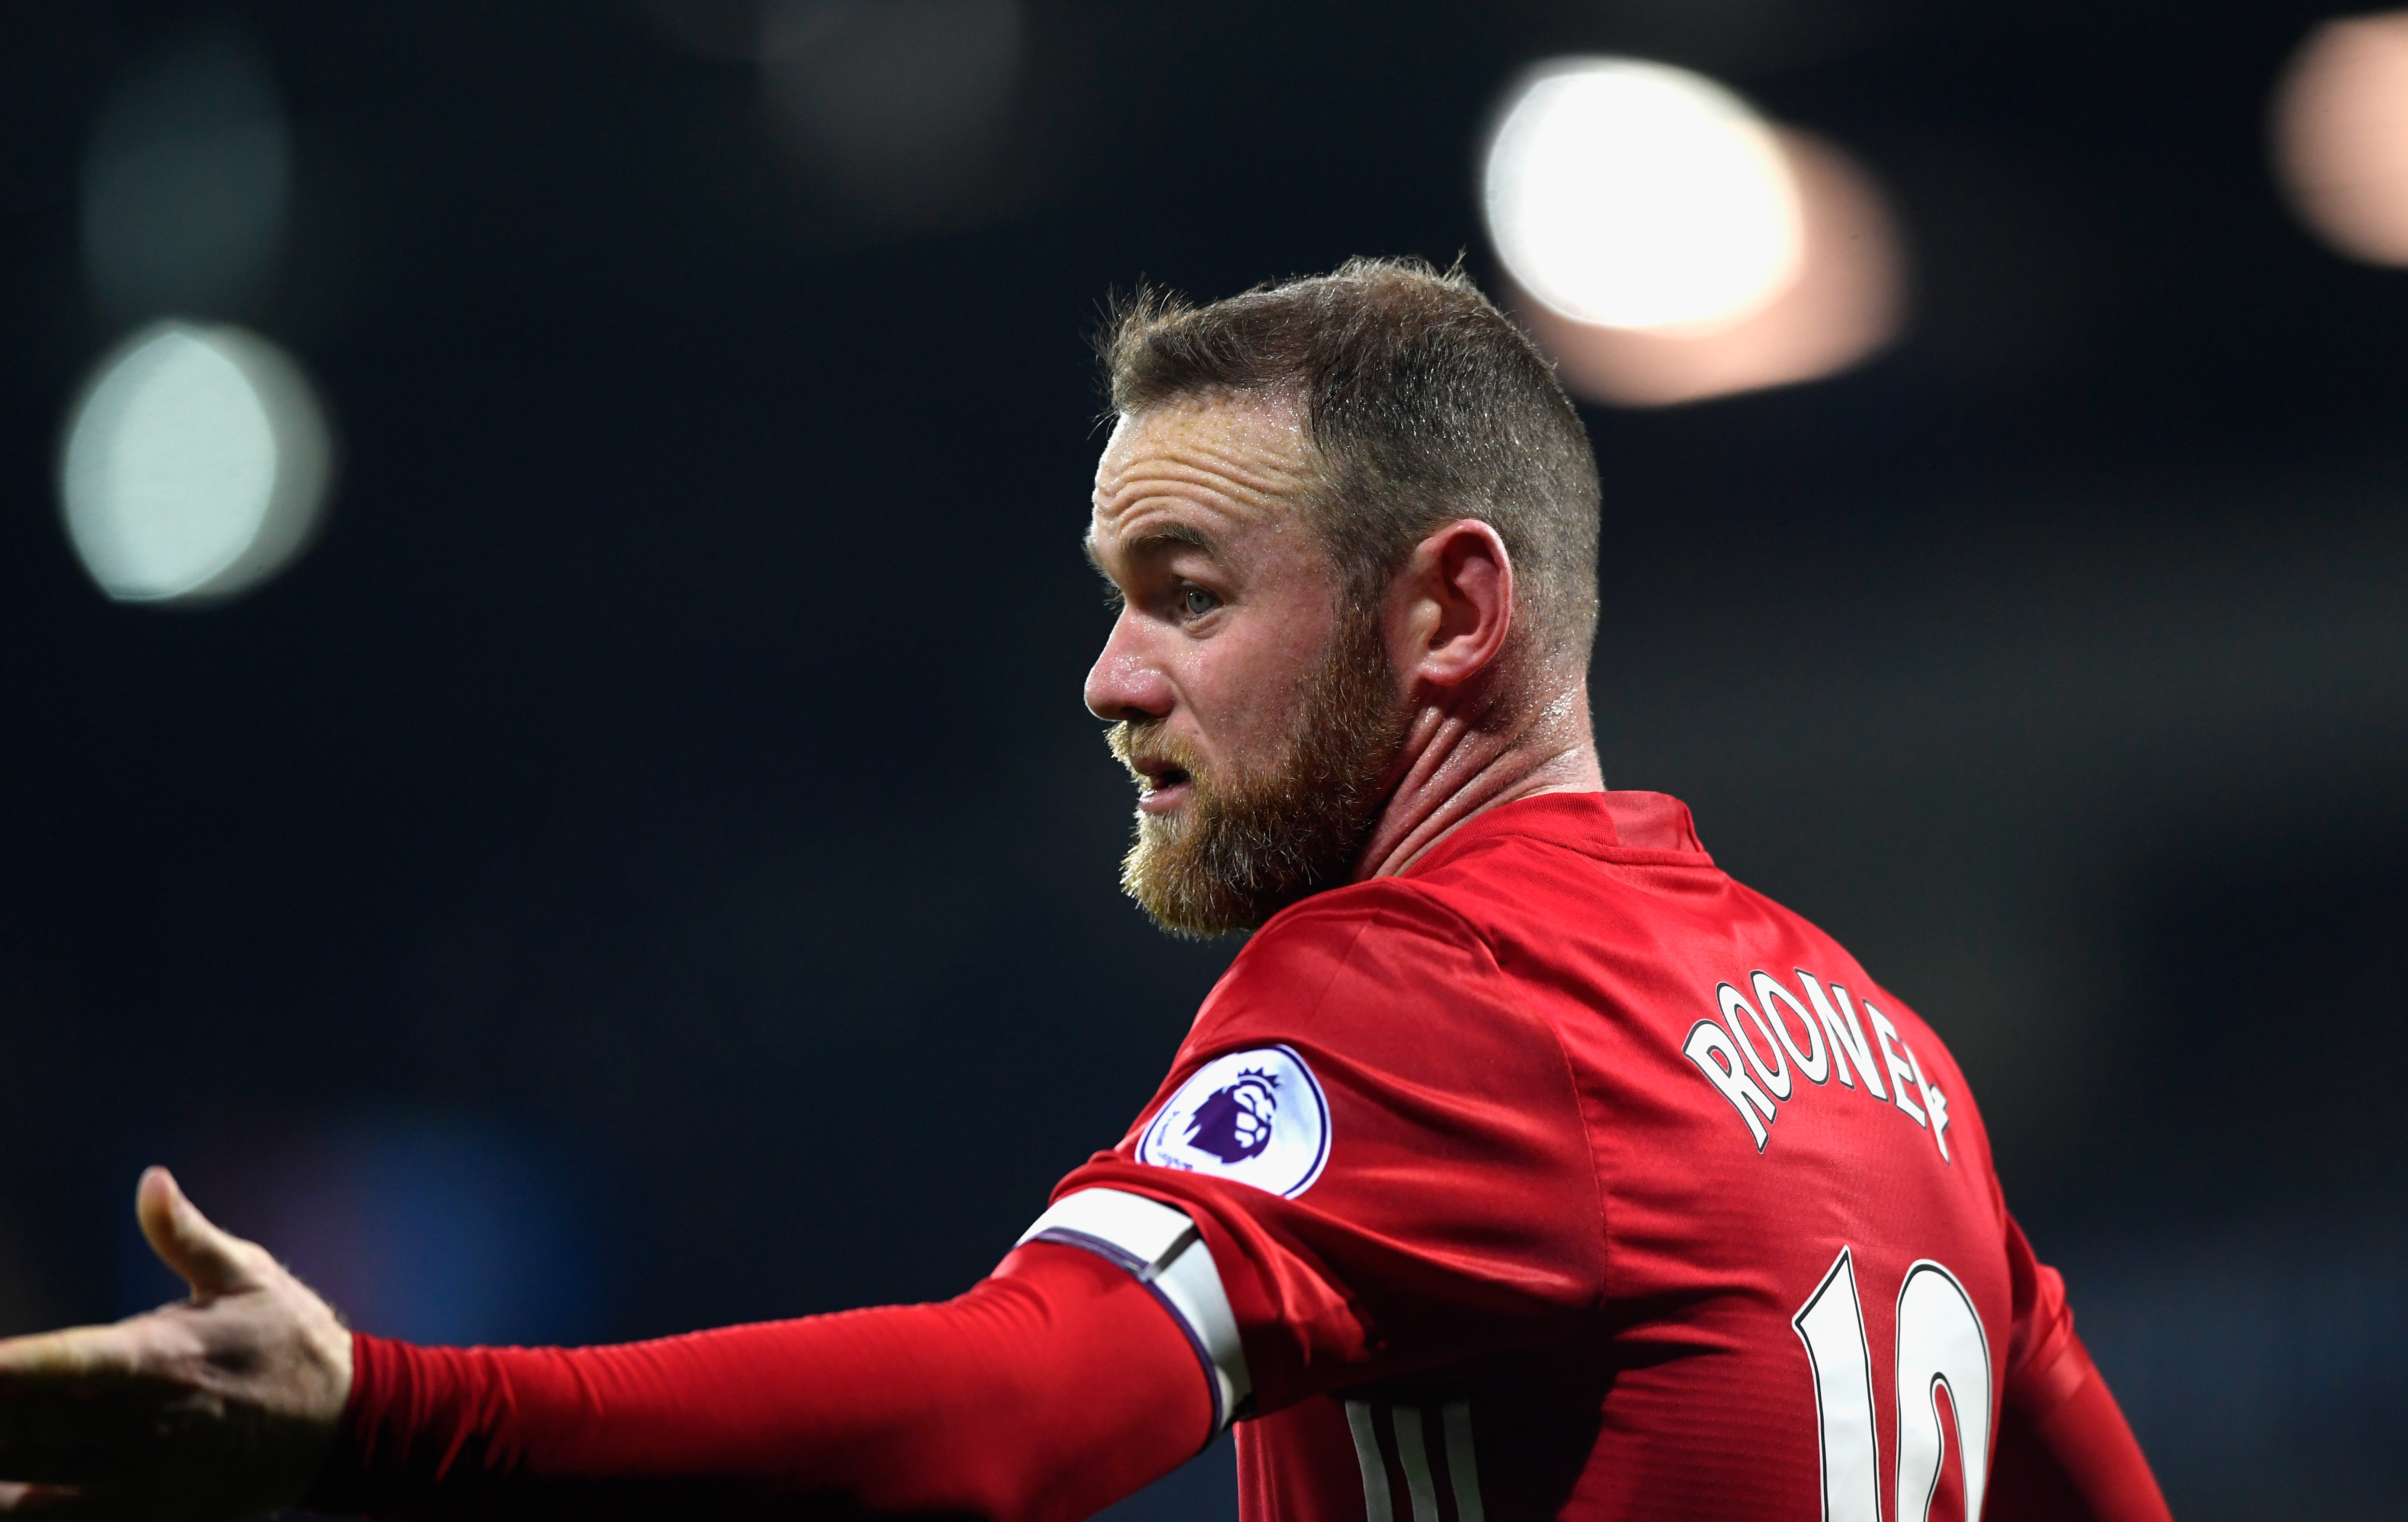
(1251,841)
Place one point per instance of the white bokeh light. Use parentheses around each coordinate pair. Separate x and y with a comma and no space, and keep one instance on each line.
(1846,303)
(196,463)
(1632,194)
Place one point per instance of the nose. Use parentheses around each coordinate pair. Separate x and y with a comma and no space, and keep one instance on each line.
(1124,684)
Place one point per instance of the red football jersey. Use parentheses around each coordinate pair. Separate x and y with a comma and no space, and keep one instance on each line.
(1563,1176)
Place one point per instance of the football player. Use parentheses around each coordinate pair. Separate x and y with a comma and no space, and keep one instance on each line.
(1523,1165)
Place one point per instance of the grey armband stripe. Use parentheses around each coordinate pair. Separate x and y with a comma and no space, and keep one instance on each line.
(1161,1247)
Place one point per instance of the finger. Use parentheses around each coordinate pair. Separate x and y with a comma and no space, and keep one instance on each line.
(61,1502)
(209,1258)
(72,1356)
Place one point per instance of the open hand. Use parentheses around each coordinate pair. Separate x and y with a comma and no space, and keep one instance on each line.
(213,1409)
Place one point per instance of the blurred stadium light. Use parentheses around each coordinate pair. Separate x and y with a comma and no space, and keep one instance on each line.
(2340,135)
(897,105)
(1847,302)
(187,181)
(1667,244)
(417,1226)
(1638,195)
(194,464)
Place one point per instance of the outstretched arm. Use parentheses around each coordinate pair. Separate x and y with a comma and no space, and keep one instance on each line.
(1048,1391)
(1052,1388)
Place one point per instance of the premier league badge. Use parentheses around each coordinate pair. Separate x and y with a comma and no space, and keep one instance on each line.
(1256,1117)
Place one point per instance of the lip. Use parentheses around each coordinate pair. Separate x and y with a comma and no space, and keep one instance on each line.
(1164,799)
(1165,788)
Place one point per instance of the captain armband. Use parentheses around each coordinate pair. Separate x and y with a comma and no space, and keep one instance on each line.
(1162,1249)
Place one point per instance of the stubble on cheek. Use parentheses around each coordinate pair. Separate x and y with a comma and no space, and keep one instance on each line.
(1248,841)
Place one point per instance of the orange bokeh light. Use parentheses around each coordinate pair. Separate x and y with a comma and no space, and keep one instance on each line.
(2340,135)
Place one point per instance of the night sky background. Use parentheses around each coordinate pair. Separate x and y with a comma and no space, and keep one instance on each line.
(647,866)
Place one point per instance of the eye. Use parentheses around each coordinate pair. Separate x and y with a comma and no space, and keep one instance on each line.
(1196,602)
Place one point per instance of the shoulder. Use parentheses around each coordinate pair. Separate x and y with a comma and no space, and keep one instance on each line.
(1390,933)
(1368,1026)
(1381,989)
(1384,908)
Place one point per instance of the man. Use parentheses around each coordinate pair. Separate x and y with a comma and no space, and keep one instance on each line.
(1522,1165)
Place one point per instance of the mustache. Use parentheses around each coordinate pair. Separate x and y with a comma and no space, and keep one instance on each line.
(1131,740)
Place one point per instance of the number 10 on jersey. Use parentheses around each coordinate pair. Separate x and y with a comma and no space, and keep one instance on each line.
(1940,1344)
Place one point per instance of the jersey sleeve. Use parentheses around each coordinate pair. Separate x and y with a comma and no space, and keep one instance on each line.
(1051,1389)
(2064,1449)
(1380,1152)
(2041,1351)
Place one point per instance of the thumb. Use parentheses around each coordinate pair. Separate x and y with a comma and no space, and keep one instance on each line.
(209,1258)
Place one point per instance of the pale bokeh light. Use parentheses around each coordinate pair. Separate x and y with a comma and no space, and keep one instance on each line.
(1632,194)
(196,463)
(2340,135)
(898,104)
(1847,302)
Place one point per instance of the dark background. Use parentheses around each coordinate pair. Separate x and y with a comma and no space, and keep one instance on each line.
(648,866)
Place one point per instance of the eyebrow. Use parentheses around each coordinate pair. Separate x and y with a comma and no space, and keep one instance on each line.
(1180,535)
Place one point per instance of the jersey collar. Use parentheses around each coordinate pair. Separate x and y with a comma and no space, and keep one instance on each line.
(1631,828)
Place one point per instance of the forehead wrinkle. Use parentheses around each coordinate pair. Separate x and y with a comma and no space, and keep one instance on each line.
(1242,458)
(1150,518)
(1228,466)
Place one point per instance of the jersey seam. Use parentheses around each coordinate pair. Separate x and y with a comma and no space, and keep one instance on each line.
(1588,1149)
(1338,964)
(1563,1055)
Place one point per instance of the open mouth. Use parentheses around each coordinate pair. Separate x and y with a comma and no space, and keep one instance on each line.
(1161,787)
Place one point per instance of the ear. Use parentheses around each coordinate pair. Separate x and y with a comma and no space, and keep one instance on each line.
(1451,606)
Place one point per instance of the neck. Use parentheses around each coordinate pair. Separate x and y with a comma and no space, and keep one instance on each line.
(1455,769)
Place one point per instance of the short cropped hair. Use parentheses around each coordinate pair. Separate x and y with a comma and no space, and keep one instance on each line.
(1425,404)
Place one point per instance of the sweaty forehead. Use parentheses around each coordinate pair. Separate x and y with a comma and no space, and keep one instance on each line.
(1238,457)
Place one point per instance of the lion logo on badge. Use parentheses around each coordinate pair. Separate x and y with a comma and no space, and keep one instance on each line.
(1235,1123)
